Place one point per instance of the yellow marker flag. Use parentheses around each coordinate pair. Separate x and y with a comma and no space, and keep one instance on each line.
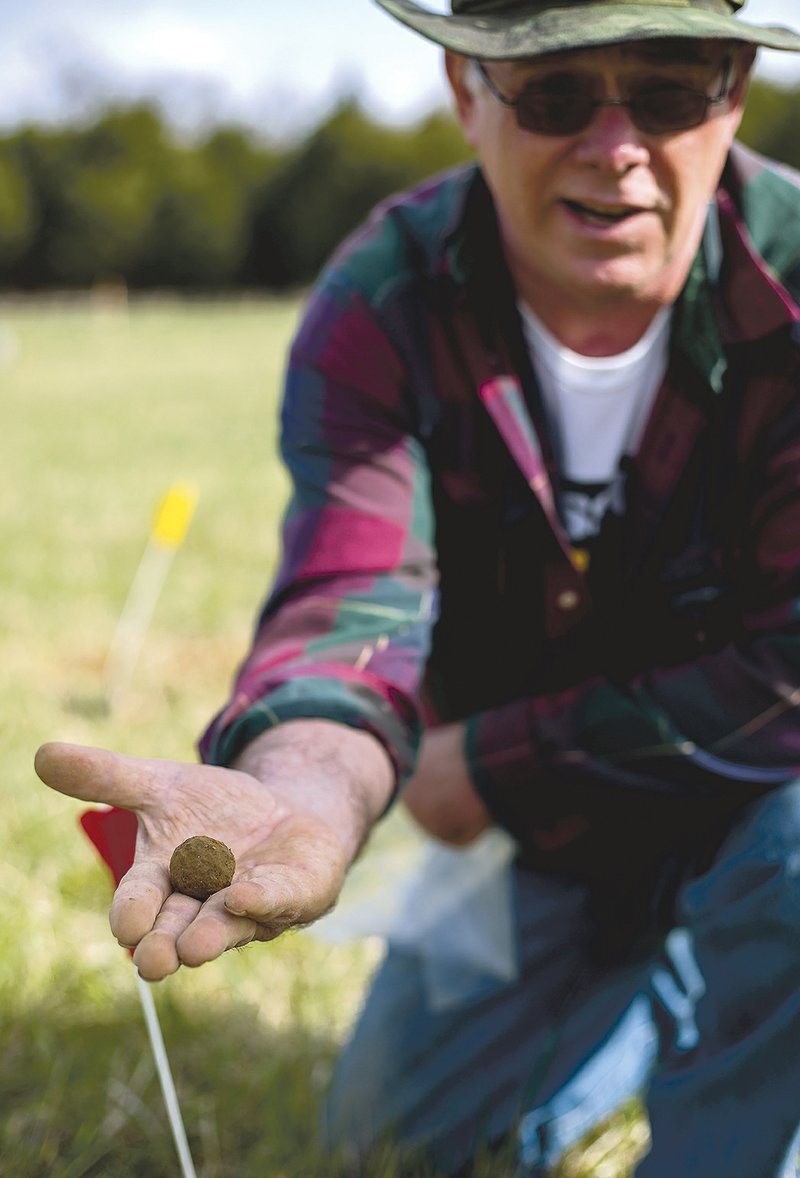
(168,532)
(174,515)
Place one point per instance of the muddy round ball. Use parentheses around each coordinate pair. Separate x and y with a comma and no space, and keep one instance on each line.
(201,866)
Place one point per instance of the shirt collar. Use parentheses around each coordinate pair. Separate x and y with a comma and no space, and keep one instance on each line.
(731,296)
(471,238)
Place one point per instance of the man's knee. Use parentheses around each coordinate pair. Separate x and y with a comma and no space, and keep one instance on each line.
(744,917)
(756,868)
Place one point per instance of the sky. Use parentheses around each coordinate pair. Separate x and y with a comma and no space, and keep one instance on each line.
(276,65)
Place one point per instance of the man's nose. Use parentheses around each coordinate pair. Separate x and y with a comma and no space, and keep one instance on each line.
(612,140)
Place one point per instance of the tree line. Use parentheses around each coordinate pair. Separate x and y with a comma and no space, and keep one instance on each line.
(122,199)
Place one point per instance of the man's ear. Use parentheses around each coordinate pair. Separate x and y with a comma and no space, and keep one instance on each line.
(743,68)
(457,69)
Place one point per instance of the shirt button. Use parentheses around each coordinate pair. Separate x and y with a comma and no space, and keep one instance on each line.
(568,600)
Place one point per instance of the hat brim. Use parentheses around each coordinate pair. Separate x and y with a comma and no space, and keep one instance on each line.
(554,30)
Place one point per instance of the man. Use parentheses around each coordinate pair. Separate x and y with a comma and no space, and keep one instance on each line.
(543,423)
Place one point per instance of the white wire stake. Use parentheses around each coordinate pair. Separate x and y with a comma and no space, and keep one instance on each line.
(165,1077)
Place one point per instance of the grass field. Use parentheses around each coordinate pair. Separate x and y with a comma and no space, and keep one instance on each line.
(104,408)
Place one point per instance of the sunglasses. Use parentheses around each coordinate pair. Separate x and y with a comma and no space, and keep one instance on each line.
(565,103)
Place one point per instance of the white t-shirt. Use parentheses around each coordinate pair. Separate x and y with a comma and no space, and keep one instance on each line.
(597,408)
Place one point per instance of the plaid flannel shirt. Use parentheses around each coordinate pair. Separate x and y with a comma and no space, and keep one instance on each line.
(426,575)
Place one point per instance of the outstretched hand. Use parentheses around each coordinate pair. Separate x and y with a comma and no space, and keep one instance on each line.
(291,863)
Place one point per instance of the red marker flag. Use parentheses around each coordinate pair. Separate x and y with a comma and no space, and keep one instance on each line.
(113,833)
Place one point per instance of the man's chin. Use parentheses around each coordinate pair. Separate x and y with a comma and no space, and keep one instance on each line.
(620,281)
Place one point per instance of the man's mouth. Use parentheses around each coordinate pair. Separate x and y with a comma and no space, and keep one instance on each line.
(602,214)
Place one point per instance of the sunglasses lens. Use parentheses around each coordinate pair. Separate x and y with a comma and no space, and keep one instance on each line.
(548,116)
(562,104)
(668,108)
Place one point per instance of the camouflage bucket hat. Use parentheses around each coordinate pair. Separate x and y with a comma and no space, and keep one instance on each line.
(502,29)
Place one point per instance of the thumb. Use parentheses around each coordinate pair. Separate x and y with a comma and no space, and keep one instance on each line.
(95,775)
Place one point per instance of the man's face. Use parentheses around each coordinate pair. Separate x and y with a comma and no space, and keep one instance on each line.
(610,213)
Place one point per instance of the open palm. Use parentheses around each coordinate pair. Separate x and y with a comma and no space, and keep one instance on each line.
(290,863)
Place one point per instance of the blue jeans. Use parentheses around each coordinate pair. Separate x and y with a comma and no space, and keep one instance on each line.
(706,1027)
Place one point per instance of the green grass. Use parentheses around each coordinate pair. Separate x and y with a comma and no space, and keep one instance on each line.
(104,408)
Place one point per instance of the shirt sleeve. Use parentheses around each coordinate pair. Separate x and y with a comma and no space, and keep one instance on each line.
(345,632)
(708,733)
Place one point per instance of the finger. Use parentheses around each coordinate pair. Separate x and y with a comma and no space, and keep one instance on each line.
(262,899)
(97,775)
(138,901)
(212,932)
(292,878)
(277,898)
(156,956)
